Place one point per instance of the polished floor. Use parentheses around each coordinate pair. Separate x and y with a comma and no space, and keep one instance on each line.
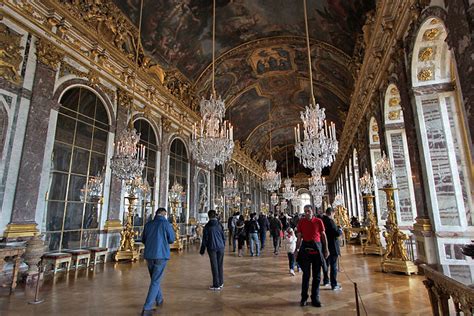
(253,285)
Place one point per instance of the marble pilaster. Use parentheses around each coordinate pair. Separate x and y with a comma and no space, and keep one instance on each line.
(22,222)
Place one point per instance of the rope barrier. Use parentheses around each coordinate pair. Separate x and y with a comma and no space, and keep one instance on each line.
(356,290)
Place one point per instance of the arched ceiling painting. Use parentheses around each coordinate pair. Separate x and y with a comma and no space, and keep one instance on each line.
(261,59)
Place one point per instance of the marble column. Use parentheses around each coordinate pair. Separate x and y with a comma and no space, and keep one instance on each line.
(22,223)
(164,167)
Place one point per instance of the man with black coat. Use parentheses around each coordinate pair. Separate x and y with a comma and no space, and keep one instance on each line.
(213,239)
(264,227)
(332,234)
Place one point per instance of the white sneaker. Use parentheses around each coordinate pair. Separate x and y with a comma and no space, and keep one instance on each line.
(292,272)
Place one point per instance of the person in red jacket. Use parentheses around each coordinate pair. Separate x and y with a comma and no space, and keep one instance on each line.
(311,252)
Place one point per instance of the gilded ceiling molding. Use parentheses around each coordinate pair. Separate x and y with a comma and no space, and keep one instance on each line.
(10,54)
(80,41)
(48,53)
(390,24)
(240,157)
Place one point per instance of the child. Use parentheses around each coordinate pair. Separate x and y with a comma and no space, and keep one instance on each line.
(290,245)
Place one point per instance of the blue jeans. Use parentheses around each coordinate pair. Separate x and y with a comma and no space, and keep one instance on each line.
(263,237)
(254,243)
(291,260)
(155,268)
(332,263)
(217,266)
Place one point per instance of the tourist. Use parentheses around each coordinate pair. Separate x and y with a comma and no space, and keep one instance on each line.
(332,233)
(290,246)
(252,231)
(213,239)
(230,228)
(157,236)
(311,252)
(264,227)
(275,231)
(240,234)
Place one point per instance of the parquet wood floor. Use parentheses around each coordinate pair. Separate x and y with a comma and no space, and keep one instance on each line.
(253,286)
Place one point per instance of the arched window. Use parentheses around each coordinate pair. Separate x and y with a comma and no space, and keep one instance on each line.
(202,197)
(376,154)
(3,126)
(79,152)
(444,140)
(399,158)
(144,212)
(178,173)
(348,191)
(305,199)
(356,181)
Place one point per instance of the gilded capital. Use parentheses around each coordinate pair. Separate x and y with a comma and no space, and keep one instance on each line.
(10,54)
(48,53)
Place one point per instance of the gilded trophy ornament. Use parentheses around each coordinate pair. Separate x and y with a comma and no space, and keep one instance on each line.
(10,54)
(48,53)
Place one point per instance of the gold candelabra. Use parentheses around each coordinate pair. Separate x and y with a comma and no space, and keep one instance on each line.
(127,249)
(373,244)
(177,245)
(342,219)
(395,257)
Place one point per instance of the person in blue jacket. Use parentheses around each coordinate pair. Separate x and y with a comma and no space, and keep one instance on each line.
(213,238)
(157,236)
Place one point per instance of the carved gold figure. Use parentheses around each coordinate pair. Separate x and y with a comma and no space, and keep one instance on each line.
(10,54)
(426,54)
(426,74)
(127,249)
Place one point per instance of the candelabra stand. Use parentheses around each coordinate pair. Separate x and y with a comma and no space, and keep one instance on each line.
(177,245)
(342,220)
(372,245)
(127,249)
(395,257)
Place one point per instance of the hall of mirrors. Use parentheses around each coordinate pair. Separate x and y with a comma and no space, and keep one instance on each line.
(395,80)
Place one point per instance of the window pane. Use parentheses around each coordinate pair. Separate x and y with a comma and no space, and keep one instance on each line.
(91,216)
(73,218)
(58,186)
(54,219)
(71,240)
(100,140)
(76,183)
(53,240)
(87,103)
(83,135)
(70,99)
(61,157)
(80,161)
(90,238)
(65,129)
(97,163)
(151,155)
(101,113)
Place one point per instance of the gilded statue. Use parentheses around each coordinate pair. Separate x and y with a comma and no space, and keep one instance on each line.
(10,54)
(395,245)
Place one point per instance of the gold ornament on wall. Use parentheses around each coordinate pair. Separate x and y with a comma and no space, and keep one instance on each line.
(426,54)
(394,101)
(431,34)
(426,74)
(48,54)
(394,115)
(10,54)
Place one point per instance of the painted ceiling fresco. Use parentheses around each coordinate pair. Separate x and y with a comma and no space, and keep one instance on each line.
(261,60)
(178,32)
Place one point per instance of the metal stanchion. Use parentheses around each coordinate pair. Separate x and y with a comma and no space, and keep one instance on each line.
(38,277)
(357,299)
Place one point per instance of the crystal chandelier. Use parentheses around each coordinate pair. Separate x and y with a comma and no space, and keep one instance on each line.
(212,141)
(138,187)
(338,201)
(383,172)
(366,183)
(274,199)
(129,158)
(289,192)
(271,179)
(230,185)
(319,145)
(283,205)
(93,190)
(318,200)
(317,184)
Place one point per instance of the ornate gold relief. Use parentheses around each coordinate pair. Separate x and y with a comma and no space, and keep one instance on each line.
(394,115)
(431,34)
(48,54)
(394,101)
(92,75)
(180,89)
(124,99)
(426,74)
(394,91)
(166,124)
(375,128)
(426,54)
(375,138)
(10,54)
